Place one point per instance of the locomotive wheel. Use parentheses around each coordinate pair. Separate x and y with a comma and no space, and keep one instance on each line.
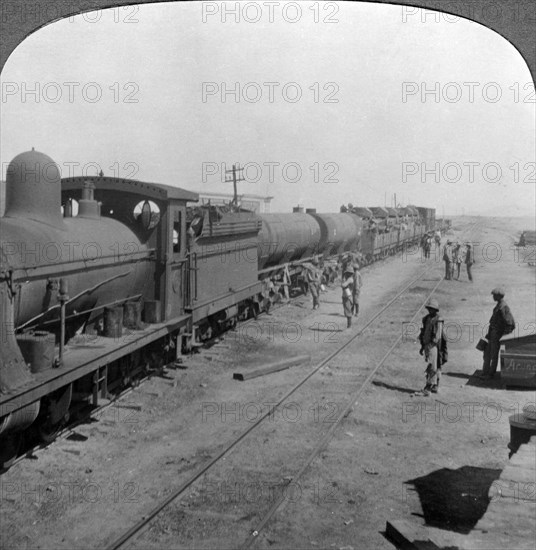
(47,431)
(54,414)
(205,332)
(9,449)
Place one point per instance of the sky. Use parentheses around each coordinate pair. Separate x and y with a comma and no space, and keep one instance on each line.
(327,103)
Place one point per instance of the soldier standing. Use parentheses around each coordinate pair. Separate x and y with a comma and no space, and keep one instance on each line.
(433,347)
(427,246)
(347,292)
(423,240)
(358,281)
(469,260)
(437,238)
(447,257)
(457,259)
(501,323)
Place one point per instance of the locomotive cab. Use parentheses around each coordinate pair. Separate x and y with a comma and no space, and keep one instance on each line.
(156,214)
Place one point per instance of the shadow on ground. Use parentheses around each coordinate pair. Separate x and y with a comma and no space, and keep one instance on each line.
(392,387)
(477,382)
(455,499)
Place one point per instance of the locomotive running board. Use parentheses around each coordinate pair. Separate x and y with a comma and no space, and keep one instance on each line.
(80,360)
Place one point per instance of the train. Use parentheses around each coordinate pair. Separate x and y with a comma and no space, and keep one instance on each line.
(103,279)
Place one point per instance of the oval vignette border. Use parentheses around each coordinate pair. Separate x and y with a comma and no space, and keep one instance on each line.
(521,34)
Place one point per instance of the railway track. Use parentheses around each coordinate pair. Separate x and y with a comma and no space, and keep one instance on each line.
(138,528)
(366,377)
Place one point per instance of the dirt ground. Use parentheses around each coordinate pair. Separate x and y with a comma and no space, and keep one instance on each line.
(395,456)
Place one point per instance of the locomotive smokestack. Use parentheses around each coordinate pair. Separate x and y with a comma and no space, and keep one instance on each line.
(33,189)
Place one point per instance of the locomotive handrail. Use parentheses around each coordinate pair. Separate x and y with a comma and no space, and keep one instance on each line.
(192,271)
(38,272)
(78,313)
(86,260)
(86,291)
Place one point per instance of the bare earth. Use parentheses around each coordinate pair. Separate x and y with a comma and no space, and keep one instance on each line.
(395,456)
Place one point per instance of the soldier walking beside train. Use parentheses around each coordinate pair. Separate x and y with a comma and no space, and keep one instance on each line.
(358,281)
(501,323)
(347,293)
(433,347)
(313,280)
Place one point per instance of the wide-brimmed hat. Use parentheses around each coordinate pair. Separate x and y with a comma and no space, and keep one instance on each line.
(432,304)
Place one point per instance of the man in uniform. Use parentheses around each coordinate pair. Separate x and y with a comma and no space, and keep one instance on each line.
(427,245)
(313,279)
(437,238)
(358,281)
(469,260)
(433,346)
(447,257)
(347,286)
(457,259)
(501,323)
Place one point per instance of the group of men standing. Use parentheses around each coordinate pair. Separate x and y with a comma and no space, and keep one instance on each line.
(428,239)
(351,285)
(434,344)
(456,254)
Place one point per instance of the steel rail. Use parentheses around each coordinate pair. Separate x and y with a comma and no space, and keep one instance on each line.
(329,434)
(142,524)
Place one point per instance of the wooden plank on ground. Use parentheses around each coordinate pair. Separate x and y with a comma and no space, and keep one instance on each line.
(507,510)
(494,541)
(272,367)
(408,535)
(510,520)
(520,474)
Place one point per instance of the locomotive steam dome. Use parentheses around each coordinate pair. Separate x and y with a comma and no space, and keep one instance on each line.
(33,189)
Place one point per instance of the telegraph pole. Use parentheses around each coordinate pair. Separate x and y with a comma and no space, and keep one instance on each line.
(235,180)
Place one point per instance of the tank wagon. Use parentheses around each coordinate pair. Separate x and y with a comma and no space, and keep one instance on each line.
(287,237)
(92,299)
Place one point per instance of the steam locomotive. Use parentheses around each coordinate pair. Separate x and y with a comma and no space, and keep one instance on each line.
(137,276)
